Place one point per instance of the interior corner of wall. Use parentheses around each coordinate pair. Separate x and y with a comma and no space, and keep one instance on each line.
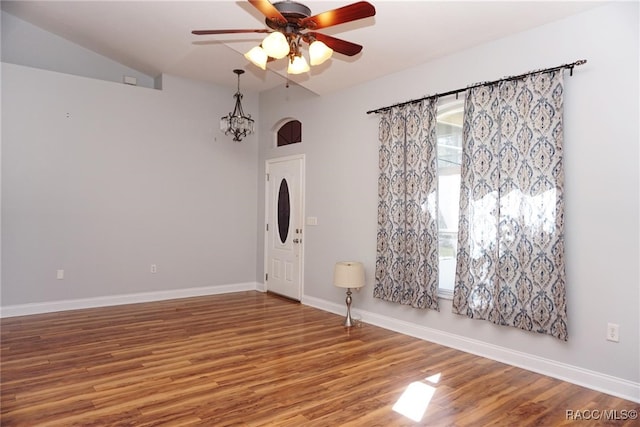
(157,82)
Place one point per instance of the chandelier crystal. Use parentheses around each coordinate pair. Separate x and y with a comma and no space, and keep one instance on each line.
(237,123)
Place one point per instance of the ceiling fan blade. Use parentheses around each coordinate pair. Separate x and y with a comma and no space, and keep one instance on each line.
(269,11)
(341,46)
(352,12)
(205,32)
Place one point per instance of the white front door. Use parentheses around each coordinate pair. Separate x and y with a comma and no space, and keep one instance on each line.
(284,232)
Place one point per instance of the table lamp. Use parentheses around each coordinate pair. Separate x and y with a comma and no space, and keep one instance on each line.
(348,274)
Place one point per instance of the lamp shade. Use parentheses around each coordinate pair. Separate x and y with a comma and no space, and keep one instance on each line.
(348,274)
(258,56)
(298,65)
(276,45)
(319,52)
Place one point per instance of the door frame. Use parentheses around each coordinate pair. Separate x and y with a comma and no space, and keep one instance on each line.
(268,162)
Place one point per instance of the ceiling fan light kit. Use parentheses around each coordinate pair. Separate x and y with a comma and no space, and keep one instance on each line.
(298,65)
(289,24)
(319,52)
(258,56)
(276,45)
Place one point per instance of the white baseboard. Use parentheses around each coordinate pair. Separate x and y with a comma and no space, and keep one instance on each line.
(48,307)
(614,386)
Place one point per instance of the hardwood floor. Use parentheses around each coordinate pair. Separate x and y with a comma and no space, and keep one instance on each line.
(255,359)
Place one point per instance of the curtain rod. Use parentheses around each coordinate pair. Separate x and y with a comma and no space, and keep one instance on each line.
(505,79)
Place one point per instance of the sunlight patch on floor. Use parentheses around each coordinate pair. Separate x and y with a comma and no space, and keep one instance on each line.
(415,400)
(433,379)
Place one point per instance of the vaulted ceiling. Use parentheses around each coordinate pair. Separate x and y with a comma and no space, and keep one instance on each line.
(154,37)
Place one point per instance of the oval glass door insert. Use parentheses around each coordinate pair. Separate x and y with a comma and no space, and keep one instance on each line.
(284,210)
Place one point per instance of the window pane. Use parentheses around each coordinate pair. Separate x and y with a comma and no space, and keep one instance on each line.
(284,211)
(290,133)
(449,131)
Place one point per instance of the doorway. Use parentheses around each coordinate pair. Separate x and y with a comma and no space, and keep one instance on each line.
(284,213)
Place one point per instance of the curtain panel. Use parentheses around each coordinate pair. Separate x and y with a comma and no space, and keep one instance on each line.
(510,265)
(407,237)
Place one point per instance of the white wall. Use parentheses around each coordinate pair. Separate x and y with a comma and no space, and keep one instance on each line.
(104,179)
(25,44)
(601,155)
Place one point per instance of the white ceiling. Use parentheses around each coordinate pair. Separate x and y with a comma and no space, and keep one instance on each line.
(155,37)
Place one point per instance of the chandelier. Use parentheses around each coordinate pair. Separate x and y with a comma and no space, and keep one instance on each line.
(278,45)
(237,123)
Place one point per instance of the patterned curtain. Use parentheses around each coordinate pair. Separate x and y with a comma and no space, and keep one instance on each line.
(407,242)
(510,265)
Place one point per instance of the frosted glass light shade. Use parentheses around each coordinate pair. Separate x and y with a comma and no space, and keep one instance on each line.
(258,56)
(298,65)
(348,274)
(319,52)
(276,45)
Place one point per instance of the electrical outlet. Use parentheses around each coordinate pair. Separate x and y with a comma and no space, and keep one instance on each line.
(613,332)
(154,268)
(60,274)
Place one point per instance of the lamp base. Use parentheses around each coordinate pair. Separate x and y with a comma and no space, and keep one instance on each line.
(348,321)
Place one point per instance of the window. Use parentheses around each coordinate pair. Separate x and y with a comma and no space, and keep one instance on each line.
(449,133)
(289,133)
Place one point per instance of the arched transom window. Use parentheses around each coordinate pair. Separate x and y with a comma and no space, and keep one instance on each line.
(289,133)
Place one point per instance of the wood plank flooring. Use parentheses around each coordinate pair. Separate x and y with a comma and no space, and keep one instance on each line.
(254,359)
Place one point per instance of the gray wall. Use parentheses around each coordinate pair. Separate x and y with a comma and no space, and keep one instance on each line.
(601,155)
(25,44)
(103,179)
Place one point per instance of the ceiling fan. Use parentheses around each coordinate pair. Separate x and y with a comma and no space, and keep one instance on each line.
(290,24)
